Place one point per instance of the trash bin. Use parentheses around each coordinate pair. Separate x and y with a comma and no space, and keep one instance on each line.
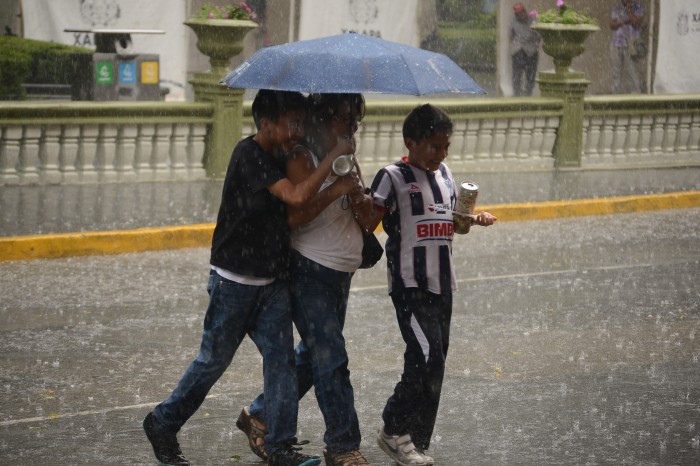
(114,71)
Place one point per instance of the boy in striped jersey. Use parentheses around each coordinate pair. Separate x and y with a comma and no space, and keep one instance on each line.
(415,198)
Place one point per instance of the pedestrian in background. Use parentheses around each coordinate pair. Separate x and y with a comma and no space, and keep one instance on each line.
(415,199)
(626,22)
(525,46)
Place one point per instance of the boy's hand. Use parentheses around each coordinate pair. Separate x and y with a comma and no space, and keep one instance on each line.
(484,219)
(348,184)
(345,145)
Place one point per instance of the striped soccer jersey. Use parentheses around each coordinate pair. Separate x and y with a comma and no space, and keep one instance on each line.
(418,221)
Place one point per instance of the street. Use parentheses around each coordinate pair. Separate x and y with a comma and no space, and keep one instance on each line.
(574,341)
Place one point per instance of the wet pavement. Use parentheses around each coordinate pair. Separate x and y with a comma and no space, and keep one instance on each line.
(574,341)
(32,210)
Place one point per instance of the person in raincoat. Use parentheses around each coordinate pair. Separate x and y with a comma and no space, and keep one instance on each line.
(248,291)
(326,251)
(415,199)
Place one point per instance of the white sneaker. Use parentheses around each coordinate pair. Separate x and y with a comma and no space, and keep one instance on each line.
(402,450)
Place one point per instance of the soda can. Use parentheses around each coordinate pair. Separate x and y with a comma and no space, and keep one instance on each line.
(343,165)
(466,201)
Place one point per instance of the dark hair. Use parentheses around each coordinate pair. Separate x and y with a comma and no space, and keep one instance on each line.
(424,121)
(321,108)
(272,104)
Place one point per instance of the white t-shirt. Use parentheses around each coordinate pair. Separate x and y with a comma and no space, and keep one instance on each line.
(332,239)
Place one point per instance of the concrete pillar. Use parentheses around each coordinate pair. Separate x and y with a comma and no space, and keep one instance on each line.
(570,87)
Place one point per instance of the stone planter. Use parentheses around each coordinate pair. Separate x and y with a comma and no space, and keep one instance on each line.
(563,42)
(220,40)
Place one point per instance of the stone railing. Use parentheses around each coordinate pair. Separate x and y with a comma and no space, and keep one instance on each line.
(489,134)
(103,142)
(641,130)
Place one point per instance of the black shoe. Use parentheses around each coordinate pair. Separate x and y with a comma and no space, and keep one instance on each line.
(290,456)
(164,444)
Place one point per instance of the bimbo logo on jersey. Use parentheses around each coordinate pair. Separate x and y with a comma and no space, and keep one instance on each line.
(428,230)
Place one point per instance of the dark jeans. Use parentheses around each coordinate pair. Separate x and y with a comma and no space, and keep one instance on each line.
(234,310)
(319,300)
(527,66)
(424,321)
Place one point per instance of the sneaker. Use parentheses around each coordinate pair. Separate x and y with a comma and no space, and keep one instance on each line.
(348,458)
(164,444)
(290,456)
(255,429)
(400,448)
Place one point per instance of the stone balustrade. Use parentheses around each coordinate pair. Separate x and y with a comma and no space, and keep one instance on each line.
(101,142)
(106,142)
(641,131)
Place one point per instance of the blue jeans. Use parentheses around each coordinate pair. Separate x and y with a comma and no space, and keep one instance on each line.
(319,302)
(264,313)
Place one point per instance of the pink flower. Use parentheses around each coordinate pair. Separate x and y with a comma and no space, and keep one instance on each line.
(533,14)
(560,3)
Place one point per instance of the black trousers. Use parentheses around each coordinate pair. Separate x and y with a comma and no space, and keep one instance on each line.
(527,66)
(424,321)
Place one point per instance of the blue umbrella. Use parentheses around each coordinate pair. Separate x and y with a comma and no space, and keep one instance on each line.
(352,63)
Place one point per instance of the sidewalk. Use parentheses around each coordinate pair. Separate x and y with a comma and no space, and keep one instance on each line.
(181,214)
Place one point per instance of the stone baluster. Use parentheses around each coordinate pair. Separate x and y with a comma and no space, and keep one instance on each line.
(48,155)
(694,140)
(29,155)
(471,140)
(527,126)
(106,153)
(68,154)
(87,153)
(644,141)
(10,145)
(592,138)
(161,149)
(195,151)
(125,153)
(536,144)
(485,138)
(549,137)
(632,140)
(143,152)
(619,136)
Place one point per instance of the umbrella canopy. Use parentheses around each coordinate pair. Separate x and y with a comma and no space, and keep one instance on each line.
(352,63)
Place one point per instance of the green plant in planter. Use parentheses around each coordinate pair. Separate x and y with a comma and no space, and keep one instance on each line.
(564,14)
(233,11)
(220,31)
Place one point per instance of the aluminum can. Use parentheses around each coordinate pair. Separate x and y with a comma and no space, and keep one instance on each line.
(343,165)
(466,201)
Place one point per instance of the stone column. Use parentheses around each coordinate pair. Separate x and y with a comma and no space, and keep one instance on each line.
(570,87)
(226,129)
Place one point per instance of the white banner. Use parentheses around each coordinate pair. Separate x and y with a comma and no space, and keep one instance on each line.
(677,64)
(394,20)
(47,19)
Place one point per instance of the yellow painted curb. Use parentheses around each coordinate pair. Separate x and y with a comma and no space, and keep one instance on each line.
(190,236)
(584,207)
(105,242)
